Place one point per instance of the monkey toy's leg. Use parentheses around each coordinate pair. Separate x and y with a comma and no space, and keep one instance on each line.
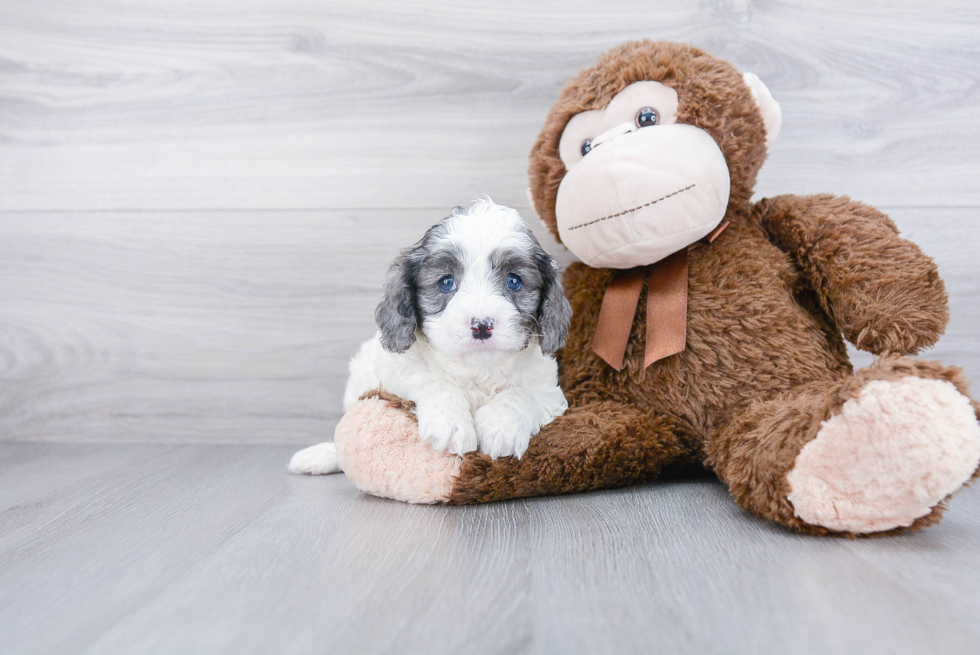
(872,453)
(592,446)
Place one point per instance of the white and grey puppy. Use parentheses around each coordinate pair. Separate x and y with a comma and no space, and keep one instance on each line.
(470,319)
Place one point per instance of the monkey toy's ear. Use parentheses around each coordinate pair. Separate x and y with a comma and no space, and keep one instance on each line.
(395,314)
(772,115)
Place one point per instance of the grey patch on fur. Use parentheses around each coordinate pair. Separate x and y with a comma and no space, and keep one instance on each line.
(554,312)
(412,288)
(520,262)
(541,300)
(395,314)
(445,259)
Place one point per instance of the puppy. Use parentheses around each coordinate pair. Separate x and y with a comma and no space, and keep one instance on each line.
(471,317)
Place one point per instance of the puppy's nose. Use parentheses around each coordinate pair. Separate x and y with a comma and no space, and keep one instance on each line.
(482,328)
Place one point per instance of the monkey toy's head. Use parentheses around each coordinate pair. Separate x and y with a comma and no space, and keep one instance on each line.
(644,152)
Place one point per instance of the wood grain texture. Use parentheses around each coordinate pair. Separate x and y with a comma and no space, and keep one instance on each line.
(266,104)
(147,296)
(198,202)
(236,327)
(215,549)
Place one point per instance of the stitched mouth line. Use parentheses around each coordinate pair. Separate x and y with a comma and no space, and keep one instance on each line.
(627,211)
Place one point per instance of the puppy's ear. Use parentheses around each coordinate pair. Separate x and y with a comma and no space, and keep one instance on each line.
(395,314)
(554,310)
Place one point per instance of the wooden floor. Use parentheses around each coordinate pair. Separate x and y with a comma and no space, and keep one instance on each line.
(213,549)
(198,202)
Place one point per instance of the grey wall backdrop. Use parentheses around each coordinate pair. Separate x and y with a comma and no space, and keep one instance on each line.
(198,200)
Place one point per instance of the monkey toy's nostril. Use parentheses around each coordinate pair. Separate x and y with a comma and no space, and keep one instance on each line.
(481,328)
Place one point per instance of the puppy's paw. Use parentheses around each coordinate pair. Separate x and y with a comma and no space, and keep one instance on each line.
(450,431)
(503,432)
(320,459)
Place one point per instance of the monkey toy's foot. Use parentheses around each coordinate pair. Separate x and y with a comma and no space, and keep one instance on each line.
(379,448)
(875,452)
(592,446)
(887,457)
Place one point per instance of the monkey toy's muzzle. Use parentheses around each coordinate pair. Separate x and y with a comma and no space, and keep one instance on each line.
(641,194)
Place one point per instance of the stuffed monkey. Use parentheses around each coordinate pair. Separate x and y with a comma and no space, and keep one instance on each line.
(708,329)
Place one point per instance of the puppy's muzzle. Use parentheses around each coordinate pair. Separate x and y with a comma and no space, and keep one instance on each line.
(481,328)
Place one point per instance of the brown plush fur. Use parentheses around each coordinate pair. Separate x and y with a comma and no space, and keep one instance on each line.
(768,304)
(593,446)
(758,447)
(397,402)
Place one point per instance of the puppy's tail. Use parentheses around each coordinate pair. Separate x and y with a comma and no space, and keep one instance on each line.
(320,459)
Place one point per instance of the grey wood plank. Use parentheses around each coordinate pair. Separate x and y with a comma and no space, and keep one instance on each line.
(236,327)
(89,581)
(38,481)
(703,577)
(215,549)
(309,104)
(364,575)
(63,578)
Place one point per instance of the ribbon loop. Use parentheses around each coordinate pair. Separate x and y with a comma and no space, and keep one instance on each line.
(666,332)
(616,315)
(666,308)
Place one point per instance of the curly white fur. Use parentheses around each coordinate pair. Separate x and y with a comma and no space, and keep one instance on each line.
(491,393)
(489,387)
(494,400)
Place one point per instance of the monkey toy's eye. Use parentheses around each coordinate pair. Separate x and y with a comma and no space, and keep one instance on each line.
(447,284)
(646,117)
(586,147)
(513,283)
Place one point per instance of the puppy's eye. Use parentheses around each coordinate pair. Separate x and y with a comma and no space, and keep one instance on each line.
(586,147)
(447,284)
(513,283)
(646,117)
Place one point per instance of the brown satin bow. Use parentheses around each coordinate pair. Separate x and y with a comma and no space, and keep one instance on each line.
(666,309)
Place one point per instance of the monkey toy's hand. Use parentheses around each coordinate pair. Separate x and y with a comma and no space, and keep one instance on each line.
(881,291)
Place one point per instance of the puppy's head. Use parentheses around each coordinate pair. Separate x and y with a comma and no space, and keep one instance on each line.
(476,282)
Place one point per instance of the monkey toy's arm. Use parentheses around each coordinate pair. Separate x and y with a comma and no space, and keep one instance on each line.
(883,293)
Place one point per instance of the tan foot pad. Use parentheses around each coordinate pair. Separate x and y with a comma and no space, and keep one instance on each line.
(378,447)
(887,458)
